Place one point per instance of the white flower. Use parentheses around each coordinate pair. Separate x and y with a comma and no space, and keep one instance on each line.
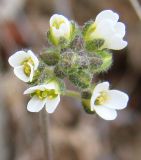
(107,27)
(60,26)
(46,94)
(24,64)
(105,102)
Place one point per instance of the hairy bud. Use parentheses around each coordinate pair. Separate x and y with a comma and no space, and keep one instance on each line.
(59,71)
(107,61)
(50,57)
(81,79)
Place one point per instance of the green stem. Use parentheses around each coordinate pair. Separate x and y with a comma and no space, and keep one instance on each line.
(74,94)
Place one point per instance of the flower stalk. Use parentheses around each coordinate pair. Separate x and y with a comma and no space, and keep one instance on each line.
(45,132)
(74,94)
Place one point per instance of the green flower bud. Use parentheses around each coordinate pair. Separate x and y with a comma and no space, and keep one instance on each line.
(87,29)
(107,61)
(95,63)
(59,71)
(81,79)
(50,57)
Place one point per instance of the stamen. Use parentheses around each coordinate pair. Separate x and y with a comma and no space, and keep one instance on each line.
(48,93)
(100,100)
(27,69)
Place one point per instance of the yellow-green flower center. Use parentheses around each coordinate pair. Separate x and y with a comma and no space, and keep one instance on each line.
(102,98)
(57,23)
(27,68)
(48,93)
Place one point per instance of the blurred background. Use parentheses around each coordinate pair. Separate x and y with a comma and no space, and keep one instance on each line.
(74,135)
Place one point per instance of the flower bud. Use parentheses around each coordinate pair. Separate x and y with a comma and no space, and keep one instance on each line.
(61,30)
(59,71)
(50,57)
(107,61)
(81,79)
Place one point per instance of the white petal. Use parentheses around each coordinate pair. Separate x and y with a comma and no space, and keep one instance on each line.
(106,113)
(32,89)
(31,73)
(116,43)
(118,99)
(104,86)
(35,104)
(34,58)
(65,29)
(105,29)
(51,105)
(120,29)
(19,72)
(107,14)
(57,18)
(57,32)
(51,85)
(17,58)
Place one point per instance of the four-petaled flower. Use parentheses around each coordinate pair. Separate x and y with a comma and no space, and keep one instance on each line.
(46,94)
(107,27)
(105,102)
(24,64)
(60,27)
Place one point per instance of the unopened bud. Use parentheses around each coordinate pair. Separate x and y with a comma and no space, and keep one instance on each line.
(50,57)
(81,79)
(107,61)
(59,72)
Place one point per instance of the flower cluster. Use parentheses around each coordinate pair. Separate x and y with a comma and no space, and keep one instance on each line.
(76,53)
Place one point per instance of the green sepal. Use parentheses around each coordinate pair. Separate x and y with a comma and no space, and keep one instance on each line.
(36,75)
(74,30)
(86,30)
(107,61)
(61,85)
(51,38)
(86,106)
(94,45)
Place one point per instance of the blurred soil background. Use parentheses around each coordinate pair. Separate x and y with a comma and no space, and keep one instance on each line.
(74,135)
